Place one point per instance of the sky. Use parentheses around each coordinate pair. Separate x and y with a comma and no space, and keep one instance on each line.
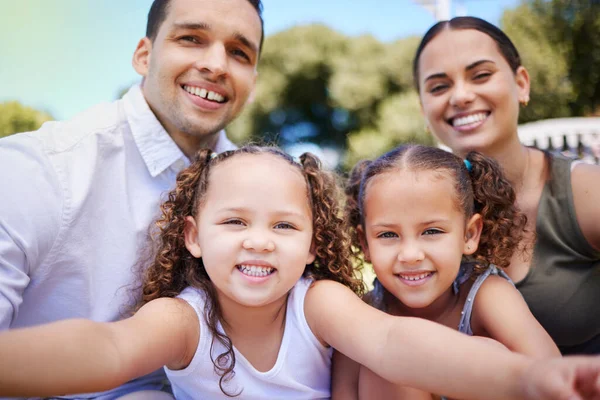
(63,56)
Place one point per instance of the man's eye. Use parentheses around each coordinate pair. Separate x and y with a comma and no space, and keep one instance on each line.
(190,39)
(241,54)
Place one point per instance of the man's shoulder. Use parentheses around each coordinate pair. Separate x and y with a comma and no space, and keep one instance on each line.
(60,136)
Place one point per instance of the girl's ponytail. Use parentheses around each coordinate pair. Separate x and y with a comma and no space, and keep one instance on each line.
(331,244)
(352,210)
(494,198)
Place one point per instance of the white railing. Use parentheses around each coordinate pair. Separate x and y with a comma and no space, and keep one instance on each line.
(574,137)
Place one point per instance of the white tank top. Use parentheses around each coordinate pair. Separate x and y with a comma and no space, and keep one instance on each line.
(302,369)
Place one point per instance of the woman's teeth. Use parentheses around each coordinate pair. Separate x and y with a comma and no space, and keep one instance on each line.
(469,119)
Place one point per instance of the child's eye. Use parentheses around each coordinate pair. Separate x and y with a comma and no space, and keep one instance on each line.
(284,225)
(432,231)
(385,235)
(233,221)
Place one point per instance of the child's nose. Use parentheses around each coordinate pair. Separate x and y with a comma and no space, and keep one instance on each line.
(258,244)
(411,253)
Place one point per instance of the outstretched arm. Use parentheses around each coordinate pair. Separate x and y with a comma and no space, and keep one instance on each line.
(500,312)
(344,377)
(77,356)
(422,354)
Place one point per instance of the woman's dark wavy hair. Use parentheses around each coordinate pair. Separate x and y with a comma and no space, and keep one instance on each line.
(484,190)
(173,268)
(505,45)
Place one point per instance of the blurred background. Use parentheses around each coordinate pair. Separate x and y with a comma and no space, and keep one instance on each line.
(334,77)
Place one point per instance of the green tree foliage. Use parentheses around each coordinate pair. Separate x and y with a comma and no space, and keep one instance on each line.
(559,41)
(320,86)
(15,117)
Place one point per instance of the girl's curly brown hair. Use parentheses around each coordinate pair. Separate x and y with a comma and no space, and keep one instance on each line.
(481,189)
(173,268)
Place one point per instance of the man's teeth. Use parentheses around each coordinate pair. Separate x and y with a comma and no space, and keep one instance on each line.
(205,94)
(254,270)
(415,277)
(469,119)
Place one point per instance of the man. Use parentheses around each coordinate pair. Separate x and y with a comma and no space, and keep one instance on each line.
(78,196)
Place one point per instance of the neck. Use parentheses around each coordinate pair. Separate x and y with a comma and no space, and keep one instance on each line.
(515,159)
(436,311)
(239,319)
(190,145)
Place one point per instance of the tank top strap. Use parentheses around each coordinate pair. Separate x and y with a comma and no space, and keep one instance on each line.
(464,325)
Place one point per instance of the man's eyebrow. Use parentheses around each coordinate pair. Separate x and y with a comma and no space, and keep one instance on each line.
(192,26)
(246,42)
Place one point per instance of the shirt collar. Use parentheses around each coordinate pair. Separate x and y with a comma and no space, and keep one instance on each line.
(158,150)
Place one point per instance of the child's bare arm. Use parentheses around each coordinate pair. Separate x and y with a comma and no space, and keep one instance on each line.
(422,354)
(499,312)
(78,356)
(344,377)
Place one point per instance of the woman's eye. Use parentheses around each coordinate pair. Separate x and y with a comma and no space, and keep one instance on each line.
(437,88)
(483,75)
(385,235)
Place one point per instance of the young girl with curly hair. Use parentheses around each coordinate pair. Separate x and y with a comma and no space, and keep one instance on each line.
(438,231)
(250,289)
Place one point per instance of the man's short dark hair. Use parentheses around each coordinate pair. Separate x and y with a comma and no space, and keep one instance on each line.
(160,8)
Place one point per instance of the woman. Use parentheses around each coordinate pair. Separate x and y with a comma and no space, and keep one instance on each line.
(471,84)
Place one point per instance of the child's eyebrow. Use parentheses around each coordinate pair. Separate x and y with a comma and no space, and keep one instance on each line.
(278,213)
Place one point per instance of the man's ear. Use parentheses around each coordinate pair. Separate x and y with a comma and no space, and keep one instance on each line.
(190,232)
(473,234)
(141,56)
(362,239)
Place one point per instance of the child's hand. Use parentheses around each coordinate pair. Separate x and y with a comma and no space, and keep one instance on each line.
(569,378)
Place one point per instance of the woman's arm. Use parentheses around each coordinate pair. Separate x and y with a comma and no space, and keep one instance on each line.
(419,353)
(78,356)
(586,196)
(500,313)
(344,377)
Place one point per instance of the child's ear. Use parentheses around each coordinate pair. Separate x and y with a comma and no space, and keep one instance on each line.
(190,232)
(311,254)
(473,234)
(362,239)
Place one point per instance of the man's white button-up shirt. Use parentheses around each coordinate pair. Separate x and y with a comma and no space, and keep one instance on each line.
(77,198)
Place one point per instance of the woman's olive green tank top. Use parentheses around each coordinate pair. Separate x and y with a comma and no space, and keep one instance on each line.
(562,287)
